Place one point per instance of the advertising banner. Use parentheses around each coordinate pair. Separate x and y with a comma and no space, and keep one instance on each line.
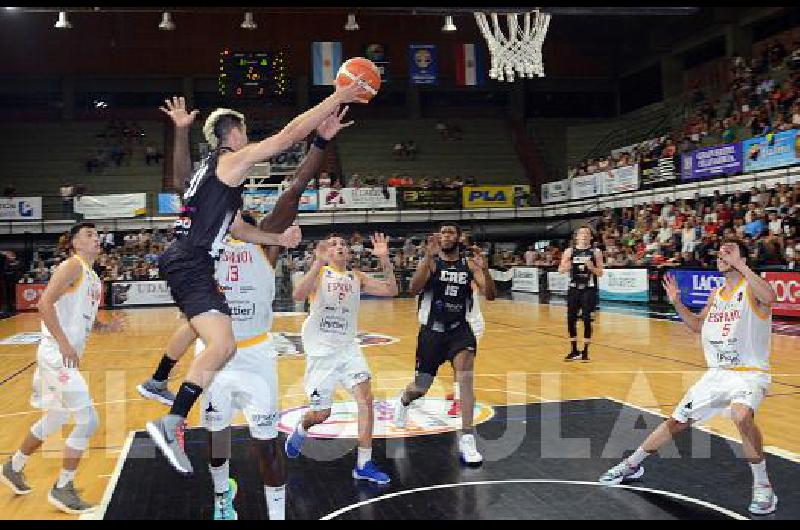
(169,203)
(423,64)
(377,54)
(110,206)
(264,200)
(711,162)
(525,279)
(357,198)
(28,295)
(629,285)
(20,208)
(787,287)
(584,187)
(488,196)
(618,180)
(661,170)
(126,294)
(773,150)
(430,198)
(555,191)
(696,286)
(557,282)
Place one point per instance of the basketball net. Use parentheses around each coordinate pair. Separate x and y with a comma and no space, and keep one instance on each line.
(521,50)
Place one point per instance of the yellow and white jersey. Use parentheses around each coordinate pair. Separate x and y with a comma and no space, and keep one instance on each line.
(76,311)
(736,333)
(248,281)
(333,317)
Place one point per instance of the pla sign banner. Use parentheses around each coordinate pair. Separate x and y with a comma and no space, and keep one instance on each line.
(696,286)
(525,279)
(110,206)
(773,150)
(20,208)
(488,196)
(584,187)
(555,191)
(357,198)
(629,285)
(619,180)
(787,287)
(711,162)
(557,282)
(125,294)
(423,64)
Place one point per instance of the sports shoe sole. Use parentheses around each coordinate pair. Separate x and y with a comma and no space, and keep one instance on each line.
(66,509)
(153,397)
(464,461)
(771,510)
(11,485)
(373,480)
(161,443)
(616,482)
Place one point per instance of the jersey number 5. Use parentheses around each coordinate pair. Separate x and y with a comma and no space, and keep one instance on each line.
(726,329)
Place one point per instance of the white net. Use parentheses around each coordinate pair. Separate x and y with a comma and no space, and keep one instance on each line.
(518,52)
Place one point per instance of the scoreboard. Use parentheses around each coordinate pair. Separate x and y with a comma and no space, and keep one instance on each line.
(253,75)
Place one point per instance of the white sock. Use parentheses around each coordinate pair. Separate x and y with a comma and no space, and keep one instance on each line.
(637,458)
(299,429)
(760,473)
(65,478)
(364,456)
(220,476)
(276,502)
(18,461)
(456,392)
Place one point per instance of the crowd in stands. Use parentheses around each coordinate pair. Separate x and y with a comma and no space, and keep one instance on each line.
(118,143)
(760,96)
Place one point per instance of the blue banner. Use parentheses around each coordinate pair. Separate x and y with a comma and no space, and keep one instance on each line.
(264,201)
(773,150)
(423,64)
(169,203)
(710,162)
(696,286)
(377,54)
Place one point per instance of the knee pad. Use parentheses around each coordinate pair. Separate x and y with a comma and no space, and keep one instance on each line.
(49,424)
(85,426)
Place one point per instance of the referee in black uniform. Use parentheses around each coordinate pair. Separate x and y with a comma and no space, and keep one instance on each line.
(584,266)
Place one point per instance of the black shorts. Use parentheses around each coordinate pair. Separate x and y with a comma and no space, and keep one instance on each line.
(190,276)
(436,348)
(581,300)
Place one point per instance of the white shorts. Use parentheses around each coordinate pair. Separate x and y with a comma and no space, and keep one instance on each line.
(56,387)
(248,383)
(347,366)
(717,390)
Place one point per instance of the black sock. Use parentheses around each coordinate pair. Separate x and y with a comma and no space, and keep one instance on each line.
(164,368)
(586,348)
(574,346)
(187,395)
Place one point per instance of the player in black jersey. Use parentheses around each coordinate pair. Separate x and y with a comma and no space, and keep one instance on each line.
(212,207)
(584,266)
(443,280)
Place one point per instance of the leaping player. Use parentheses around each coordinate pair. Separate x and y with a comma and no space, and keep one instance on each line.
(329,338)
(735,329)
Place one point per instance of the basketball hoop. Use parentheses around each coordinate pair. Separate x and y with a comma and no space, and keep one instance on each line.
(521,49)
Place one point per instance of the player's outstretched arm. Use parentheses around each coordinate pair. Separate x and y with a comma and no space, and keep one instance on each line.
(181,158)
(233,169)
(285,211)
(387,287)
(483,278)
(309,282)
(63,278)
(242,231)
(426,266)
(693,322)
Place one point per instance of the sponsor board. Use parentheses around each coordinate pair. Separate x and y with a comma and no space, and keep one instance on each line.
(110,206)
(264,200)
(29,337)
(555,191)
(787,287)
(557,282)
(696,286)
(618,180)
(584,186)
(20,208)
(28,295)
(169,203)
(774,150)
(430,198)
(126,294)
(724,159)
(488,196)
(629,285)
(525,279)
(426,416)
(357,198)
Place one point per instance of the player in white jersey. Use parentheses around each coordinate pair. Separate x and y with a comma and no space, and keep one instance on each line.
(68,308)
(735,327)
(329,338)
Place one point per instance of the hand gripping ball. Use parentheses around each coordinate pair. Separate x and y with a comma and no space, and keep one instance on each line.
(370,80)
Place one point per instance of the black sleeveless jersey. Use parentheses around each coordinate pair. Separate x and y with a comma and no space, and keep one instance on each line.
(447,296)
(580,276)
(209,208)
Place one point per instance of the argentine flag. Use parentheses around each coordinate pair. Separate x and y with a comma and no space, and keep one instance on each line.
(327,60)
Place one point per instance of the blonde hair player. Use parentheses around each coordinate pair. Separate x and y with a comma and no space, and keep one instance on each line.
(212,204)
(735,329)
(68,308)
(329,338)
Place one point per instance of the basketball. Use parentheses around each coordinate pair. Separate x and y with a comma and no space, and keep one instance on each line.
(360,66)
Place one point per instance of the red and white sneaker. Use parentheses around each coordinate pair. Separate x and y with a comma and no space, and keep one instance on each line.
(455,409)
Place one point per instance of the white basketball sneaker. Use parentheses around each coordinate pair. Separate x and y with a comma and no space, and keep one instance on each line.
(468,450)
(764,500)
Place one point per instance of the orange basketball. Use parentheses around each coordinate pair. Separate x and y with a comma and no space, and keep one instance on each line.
(360,66)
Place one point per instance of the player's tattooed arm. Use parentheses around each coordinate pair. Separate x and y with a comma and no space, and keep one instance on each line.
(63,278)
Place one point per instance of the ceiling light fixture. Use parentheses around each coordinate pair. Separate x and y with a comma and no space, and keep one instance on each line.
(166,22)
(249,23)
(63,23)
(351,25)
(448,24)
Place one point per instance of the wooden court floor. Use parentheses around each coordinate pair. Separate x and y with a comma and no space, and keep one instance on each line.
(644,362)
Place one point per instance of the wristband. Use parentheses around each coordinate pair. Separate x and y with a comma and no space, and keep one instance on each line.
(320,142)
